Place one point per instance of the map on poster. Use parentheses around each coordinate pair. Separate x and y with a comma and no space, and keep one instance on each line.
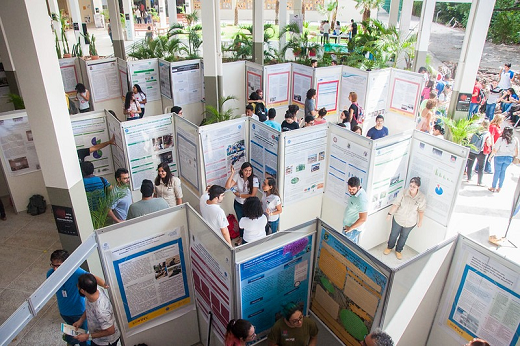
(149,141)
(164,78)
(254,80)
(151,275)
(187,82)
(346,290)
(188,157)
(68,74)
(17,144)
(123,76)
(352,80)
(278,82)
(223,147)
(301,82)
(304,165)
(439,171)
(145,73)
(89,132)
(264,143)
(376,99)
(389,174)
(346,159)
(405,93)
(104,80)
(270,280)
(212,283)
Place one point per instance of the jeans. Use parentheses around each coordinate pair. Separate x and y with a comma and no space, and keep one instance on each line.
(239,211)
(71,320)
(490,110)
(353,236)
(272,227)
(506,106)
(473,108)
(112,344)
(401,232)
(501,164)
(481,159)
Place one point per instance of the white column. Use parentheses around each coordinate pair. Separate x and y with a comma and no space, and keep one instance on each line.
(423,37)
(212,51)
(7,61)
(162,14)
(129,20)
(172,11)
(297,6)
(394,13)
(53,8)
(258,31)
(282,20)
(404,27)
(117,30)
(75,14)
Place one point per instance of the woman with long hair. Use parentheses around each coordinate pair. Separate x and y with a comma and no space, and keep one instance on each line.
(507,99)
(271,204)
(504,150)
(291,120)
(425,124)
(83,97)
(132,108)
(239,333)
(167,186)
(246,185)
(254,220)
(438,131)
(353,110)
(140,97)
(495,131)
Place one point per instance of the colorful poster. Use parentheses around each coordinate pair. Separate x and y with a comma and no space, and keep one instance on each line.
(187,82)
(188,157)
(149,141)
(123,76)
(278,81)
(17,144)
(327,88)
(376,99)
(301,82)
(347,291)
(164,78)
(352,80)
(146,74)
(346,159)
(212,283)
(264,143)
(105,83)
(89,132)
(223,147)
(254,78)
(304,165)
(151,275)
(69,74)
(406,90)
(269,281)
(388,175)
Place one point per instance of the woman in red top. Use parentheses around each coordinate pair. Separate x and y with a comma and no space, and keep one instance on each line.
(239,333)
(495,132)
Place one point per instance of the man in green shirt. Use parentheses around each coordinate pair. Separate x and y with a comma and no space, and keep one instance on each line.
(293,329)
(356,211)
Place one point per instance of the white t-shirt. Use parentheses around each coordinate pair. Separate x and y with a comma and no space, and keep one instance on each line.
(254,116)
(139,97)
(243,187)
(213,214)
(504,149)
(270,202)
(254,229)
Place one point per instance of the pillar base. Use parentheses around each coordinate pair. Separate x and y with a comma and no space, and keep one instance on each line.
(119,49)
(258,52)
(420,60)
(12,81)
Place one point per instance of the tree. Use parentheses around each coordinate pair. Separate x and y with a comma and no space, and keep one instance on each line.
(330,9)
(394,47)
(368,5)
(299,43)
(193,33)
(214,115)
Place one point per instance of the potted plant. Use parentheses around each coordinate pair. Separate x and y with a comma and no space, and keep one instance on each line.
(214,115)
(92,48)
(65,42)
(76,49)
(58,48)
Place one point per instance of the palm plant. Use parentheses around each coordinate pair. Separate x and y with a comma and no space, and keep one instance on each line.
(163,47)
(103,201)
(214,115)
(193,33)
(299,42)
(395,47)
(329,9)
(460,131)
(368,5)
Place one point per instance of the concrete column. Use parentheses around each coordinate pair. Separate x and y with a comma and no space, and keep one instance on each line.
(423,37)
(54,8)
(75,15)
(7,61)
(172,11)
(404,27)
(472,47)
(212,51)
(162,14)
(394,13)
(117,30)
(129,20)
(258,31)
(282,20)
(27,22)
(297,6)
(97,4)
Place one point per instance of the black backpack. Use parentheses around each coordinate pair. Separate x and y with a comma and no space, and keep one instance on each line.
(37,205)
(260,111)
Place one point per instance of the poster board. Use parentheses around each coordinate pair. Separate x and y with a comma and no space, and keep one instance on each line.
(149,141)
(327,88)
(264,149)
(188,151)
(233,81)
(146,74)
(118,150)
(187,82)
(164,78)
(277,85)
(404,92)
(122,67)
(254,78)
(302,80)
(376,99)
(104,80)
(69,74)
(352,80)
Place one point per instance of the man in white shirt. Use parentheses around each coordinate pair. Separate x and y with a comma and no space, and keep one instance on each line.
(212,212)
(506,76)
(250,112)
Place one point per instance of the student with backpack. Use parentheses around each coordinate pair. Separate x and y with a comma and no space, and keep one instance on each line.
(479,144)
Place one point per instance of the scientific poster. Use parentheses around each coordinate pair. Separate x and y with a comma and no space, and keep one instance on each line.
(89,132)
(146,74)
(275,278)
(164,78)
(346,291)
(69,75)
(17,144)
(223,147)
(439,171)
(302,81)
(188,157)
(389,174)
(187,82)
(212,283)
(254,79)
(264,143)
(376,99)
(278,81)
(118,151)
(346,159)
(405,92)
(304,165)
(327,88)
(151,275)
(149,141)
(104,80)
(352,80)
(123,76)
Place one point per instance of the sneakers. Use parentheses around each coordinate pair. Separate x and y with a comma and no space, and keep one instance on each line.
(387,251)
(398,255)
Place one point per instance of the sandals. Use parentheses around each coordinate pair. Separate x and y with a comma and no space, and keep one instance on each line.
(492,189)
(497,190)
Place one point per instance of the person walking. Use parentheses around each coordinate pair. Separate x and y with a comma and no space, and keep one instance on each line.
(504,151)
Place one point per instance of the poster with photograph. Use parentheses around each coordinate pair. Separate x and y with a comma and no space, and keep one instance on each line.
(302,81)
(254,78)
(145,73)
(376,99)
(347,291)
(123,76)
(89,132)
(327,88)
(264,144)
(405,91)
(187,82)
(278,78)
(352,80)
(151,275)
(105,83)
(17,145)
(149,141)
(187,144)
(164,78)
(304,165)
(223,147)
(272,279)
(69,75)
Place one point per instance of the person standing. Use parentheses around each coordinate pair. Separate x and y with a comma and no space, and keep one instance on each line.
(83,97)
(378,131)
(167,185)
(495,131)
(250,112)
(291,120)
(147,204)
(212,212)
(475,98)
(491,100)
(353,30)
(99,314)
(477,152)
(353,110)
(310,103)
(253,221)
(239,333)
(271,114)
(119,209)
(95,187)
(356,211)
(140,97)
(272,204)
(506,76)
(504,150)
(131,108)
(293,328)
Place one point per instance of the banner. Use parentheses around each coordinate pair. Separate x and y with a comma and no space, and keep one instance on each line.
(69,74)
(254,78)
(278,79)
(164,78)
(105,83)
(18,146)
(302,81)
(187,82)
(352,80)
(264,144)
(327,88)
(188,157)
(376,99)
(145,73)
(406,88)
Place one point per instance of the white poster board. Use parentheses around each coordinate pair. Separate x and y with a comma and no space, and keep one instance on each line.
(405,90)
(264,147)
(376,98)
(254,78)
(17,145)
(187,79)
(327,88)
(146,74)
(118,150)
(104,80)
(277,85)
(123,76)
(69,75)
(352,80)
(302,81)
(188,150)
(164,78)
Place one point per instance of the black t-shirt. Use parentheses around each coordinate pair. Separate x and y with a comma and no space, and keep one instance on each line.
(354,29)
(353,121)
(288,127)
(82,153)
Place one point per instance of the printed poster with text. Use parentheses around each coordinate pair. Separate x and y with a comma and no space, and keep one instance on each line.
(222,148)
(188,156)
(346,159)
(118,151)
(327,89)
(304,165)
(187,82)
(18,146)
(122,66)
(69,75)
(376,99)
(145,73)
(151,275)
(486,302)
(264,143)
(439,171)
(89,132)
(406,89)
(273,279)
(278,82)
(164,78)
(104,80)
(301,82)
(352,80)
(346,291)
(149,141)
(254,78)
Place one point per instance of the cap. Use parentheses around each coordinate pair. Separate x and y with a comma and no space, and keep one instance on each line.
(147,188)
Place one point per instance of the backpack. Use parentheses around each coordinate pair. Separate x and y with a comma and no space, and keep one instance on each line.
(481,97)
(37,205)
(478,141)
(234,230)
(260,111)
(361,114)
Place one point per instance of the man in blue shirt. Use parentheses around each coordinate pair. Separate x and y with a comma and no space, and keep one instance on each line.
(378,131)
(95,187)
(119,209)
(271,114)
(356,211)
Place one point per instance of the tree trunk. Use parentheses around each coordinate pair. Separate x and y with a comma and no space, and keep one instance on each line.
(334,16)
(366,14)
(236,15)
(303,10)
(277,12)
